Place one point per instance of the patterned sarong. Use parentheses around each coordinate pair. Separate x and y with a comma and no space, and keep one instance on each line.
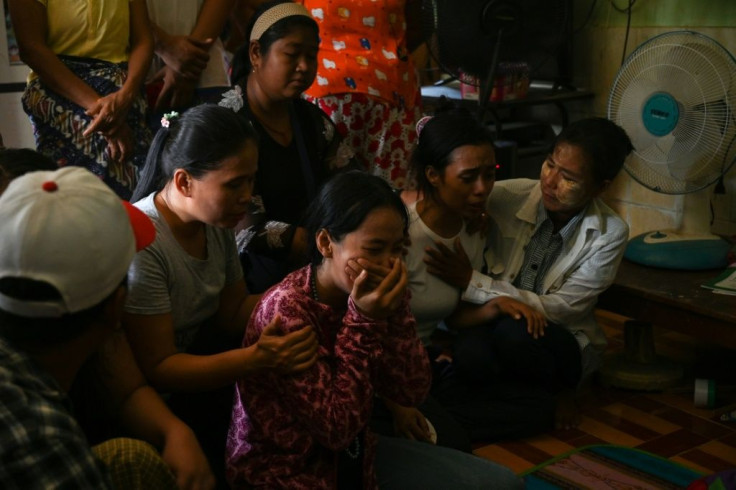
(58,125)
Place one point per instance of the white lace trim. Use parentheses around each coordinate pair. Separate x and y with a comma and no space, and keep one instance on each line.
(274,230)
(233,99)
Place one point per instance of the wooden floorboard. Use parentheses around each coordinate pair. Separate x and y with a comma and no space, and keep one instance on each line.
(666,423)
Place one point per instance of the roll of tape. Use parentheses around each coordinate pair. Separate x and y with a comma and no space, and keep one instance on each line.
(705,393)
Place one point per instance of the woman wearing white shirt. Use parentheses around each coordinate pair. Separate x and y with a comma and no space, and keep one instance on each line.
(454,166)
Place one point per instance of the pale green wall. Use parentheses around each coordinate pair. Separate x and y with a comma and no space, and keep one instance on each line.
(660,13)
(598,50)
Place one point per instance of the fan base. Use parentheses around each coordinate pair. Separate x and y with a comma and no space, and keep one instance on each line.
(639,368)
(657,375)
(670,250)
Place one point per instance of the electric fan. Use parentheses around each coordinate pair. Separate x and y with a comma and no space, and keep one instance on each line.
(472,36)
(675,96)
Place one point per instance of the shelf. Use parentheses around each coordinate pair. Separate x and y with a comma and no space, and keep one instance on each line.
(537,95)
(532,138)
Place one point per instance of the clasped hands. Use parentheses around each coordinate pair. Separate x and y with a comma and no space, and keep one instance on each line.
(185,59)
(109,115)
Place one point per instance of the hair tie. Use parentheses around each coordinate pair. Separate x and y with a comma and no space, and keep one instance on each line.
(167,118)
(421,123)
(275,14)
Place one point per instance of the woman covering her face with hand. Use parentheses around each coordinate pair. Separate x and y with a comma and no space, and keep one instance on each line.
(310,430)
(299,146)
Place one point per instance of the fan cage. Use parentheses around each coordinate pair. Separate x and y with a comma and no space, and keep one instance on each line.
(699,75)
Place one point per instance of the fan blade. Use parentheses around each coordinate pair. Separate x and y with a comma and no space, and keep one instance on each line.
(703,139)
(629,115)
(700,73)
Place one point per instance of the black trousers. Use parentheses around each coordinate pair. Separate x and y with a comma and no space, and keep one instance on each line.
(505,350)
(503,382)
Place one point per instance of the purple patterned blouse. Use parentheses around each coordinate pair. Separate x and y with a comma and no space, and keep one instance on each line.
(287,430)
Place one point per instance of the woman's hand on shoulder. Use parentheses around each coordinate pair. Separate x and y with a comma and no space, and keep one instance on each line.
(286,353)
(379,301)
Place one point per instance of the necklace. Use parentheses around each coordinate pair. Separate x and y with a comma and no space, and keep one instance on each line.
(353,450)
(313,283)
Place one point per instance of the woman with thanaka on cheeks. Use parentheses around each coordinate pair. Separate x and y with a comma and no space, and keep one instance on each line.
(311,430)
(299,147)
(554,245)
(196,186)
(567,183)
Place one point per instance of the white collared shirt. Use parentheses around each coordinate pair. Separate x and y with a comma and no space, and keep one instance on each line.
(585,267)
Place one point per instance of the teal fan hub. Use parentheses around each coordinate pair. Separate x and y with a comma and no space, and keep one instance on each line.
(660,114)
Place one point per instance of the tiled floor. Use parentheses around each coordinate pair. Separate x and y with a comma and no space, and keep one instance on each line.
(664,423)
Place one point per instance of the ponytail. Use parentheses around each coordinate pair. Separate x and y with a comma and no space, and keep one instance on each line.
(150,179)
(197,142)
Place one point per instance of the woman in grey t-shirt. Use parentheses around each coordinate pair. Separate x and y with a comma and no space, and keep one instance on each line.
(196,186)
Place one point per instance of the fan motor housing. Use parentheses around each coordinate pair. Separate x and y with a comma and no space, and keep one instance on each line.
(660,114)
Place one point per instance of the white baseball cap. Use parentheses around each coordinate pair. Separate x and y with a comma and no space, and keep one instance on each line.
(67,228)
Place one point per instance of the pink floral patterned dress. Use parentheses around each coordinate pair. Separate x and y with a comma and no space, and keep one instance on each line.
(366,81)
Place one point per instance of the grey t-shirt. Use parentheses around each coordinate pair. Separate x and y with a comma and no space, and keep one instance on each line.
(164,278)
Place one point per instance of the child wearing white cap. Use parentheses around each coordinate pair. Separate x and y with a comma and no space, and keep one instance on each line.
(55,312)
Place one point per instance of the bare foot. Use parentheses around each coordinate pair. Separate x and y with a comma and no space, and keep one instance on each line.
(567,414)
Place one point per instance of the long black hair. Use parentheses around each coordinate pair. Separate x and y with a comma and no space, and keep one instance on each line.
(280,29)
(450,128)
(343,204)
(198,142)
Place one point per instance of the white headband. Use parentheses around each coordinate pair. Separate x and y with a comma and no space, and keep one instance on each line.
(275,14)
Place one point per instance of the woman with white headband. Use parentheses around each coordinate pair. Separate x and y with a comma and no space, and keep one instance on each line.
(299,146)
